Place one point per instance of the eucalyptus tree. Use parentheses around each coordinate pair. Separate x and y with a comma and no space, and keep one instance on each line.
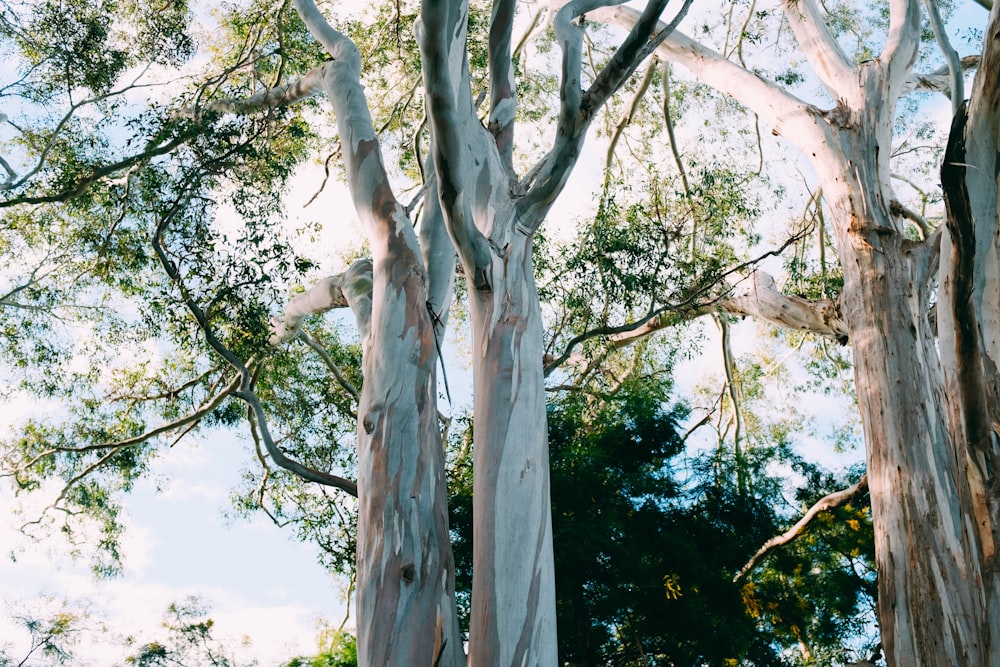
(918,306)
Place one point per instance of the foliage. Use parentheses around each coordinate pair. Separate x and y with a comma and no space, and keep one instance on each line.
(337,649)
(647,538)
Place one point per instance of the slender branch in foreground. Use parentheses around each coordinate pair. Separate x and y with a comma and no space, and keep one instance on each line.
(828,502)
(283,461)
(657,317)
(245,388)
(325,356)
(119,445)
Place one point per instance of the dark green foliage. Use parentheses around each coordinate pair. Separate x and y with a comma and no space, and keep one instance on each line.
(646,549)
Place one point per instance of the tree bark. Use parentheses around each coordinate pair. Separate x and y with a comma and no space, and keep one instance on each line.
(513,588)
(405,570)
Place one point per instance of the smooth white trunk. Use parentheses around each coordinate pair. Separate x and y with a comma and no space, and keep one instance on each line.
(513,592)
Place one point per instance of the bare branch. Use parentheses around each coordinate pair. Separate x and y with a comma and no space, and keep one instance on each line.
(729,364)
(628,116)
(305,472)
(322,297)
(953,62)
(938,80)
(833,68)
(828,502)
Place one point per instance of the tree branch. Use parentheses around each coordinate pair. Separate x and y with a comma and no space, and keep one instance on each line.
(577,108)
(322,297)
(119,445)
(800,123)
(453,122)
(84,183)
(306,86)
(953,62)
(938,80)
(502,96)
(305,472)
(901,44)
(820,48)
(828,502)
(325,356)
(763,301)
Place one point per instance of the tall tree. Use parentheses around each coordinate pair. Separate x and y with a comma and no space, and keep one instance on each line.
(925,385)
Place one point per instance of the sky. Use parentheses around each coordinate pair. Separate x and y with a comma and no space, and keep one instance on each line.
(257,581)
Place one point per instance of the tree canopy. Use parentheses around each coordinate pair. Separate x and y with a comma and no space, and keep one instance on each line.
(182,212)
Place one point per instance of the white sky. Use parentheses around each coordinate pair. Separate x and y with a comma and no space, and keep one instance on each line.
(257,580)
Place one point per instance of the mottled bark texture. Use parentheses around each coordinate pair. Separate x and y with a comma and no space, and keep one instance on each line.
(405,571)
(928,395)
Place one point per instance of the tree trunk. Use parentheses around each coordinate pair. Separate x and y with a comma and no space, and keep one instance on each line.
(929,400)
(933,530)
(405,572)
(513,592)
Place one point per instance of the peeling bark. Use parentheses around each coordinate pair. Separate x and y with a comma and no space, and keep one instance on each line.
(405,570)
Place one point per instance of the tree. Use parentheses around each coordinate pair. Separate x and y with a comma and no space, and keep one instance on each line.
(929,449)
(925,385)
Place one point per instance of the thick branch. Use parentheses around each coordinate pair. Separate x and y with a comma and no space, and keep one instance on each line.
(762,301)
(307,86)
(799,122)
(820,48)
(765,302)
(828,502)
(577,109)
(902,43)
(502,98)
(442,46)
(322,297)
